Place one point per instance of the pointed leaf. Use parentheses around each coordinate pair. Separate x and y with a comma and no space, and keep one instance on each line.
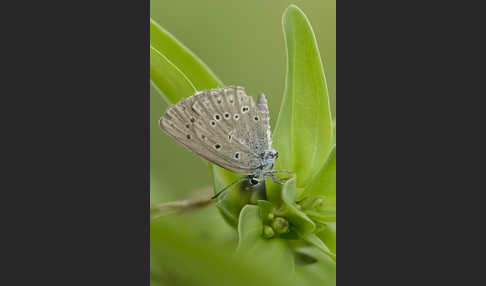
(324,216)
(328,235)
(334,132)
(199,73)
(168,79)
(325,182)
(313,239)
(303,133)
(322,272)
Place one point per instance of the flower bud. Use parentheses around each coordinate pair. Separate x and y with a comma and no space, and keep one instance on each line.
(280,225)
(271,216)
(268,232)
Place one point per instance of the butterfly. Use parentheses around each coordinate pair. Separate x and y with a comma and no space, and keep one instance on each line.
(226,127)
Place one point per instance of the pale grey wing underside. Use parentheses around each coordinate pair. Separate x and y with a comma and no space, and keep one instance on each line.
(224,126)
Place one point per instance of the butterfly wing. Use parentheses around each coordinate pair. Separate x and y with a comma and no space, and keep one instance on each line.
(224,126)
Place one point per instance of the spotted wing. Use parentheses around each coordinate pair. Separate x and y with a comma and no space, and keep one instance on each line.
(224,126)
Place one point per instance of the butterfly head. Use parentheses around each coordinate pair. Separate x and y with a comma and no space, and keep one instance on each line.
(268,158)
(271,154)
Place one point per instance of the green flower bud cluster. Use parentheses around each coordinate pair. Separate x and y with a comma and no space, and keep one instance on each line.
(277,225)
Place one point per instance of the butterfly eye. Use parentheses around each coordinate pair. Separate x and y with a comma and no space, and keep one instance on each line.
(256,118)
(217,117)
(217,146)
(244,109)
(213,123)
(237,155)
(236,116)
(227,115)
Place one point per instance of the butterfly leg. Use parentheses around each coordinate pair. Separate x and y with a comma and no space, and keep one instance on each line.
(275,180)
(228,187)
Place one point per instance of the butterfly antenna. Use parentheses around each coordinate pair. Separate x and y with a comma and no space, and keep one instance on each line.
(228,186)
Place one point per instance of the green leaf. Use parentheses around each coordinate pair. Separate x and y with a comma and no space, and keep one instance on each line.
(179,257)
(313,239)
(323,272)
(169,79)
(324,216)
(285,197)
(199,73)
(325,182)
(252,244)
(328,235)
(232,201)
(266,208)
(250,228)
(303,133)
(334,132)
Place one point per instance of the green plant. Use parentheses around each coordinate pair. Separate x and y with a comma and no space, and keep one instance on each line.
(290,227)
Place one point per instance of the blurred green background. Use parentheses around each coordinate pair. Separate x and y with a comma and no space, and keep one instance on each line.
(242,42)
